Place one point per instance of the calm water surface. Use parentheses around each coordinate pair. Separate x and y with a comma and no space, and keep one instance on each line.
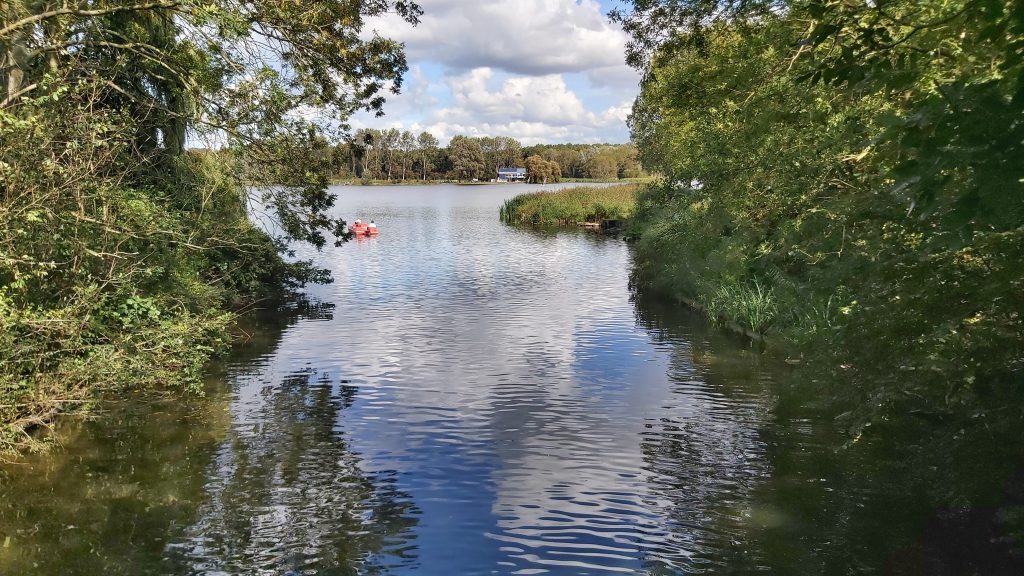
(466,398)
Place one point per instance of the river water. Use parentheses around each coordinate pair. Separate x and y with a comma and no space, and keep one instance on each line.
(466,398)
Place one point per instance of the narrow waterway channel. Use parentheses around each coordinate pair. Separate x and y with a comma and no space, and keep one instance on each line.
(465,398)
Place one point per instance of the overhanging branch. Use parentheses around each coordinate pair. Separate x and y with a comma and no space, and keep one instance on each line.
(28,20)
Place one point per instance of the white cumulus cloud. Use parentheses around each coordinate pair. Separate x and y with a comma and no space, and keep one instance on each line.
(519,36)
(505,65)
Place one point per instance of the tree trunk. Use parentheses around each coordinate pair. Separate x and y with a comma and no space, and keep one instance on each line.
(48,32)
(15,75)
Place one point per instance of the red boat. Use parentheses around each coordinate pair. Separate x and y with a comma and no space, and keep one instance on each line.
(362,229)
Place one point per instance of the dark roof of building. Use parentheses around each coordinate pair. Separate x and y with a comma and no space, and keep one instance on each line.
(511,170)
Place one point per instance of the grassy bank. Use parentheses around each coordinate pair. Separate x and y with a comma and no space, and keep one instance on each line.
(571,205)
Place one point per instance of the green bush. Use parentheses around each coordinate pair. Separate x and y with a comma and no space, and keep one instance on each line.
(112,277)
(571,205)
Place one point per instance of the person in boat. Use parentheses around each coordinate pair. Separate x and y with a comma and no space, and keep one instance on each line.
(371,225)
(357,227)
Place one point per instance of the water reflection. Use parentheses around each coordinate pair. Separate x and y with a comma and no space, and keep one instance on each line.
(108,499)
(630,474)
(707,457)
(286,492)
(252,479)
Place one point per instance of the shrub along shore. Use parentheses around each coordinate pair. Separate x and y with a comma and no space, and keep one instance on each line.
(136,291)
(847,178)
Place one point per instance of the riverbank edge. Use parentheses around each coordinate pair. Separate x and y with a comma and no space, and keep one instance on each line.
(171,357)
(775,342)
(183,371)
(721,320)
(530,208)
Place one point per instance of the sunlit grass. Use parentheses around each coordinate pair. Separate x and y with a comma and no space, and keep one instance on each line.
(571,205)
(752,306)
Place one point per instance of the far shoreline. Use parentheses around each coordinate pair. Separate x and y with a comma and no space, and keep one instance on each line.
(368,182)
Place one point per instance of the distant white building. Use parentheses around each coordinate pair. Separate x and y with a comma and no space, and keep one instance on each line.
(511,174)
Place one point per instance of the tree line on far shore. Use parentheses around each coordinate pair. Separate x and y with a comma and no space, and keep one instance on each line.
(392,154)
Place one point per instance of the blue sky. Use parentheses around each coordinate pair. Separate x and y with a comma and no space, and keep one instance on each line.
(540,71)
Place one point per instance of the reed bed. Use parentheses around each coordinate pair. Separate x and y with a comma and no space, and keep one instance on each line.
(569,206)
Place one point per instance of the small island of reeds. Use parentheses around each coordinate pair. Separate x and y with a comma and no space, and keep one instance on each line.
(571,206)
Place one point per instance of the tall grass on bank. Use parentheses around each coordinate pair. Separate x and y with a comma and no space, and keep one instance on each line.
(752,306)
(571,205)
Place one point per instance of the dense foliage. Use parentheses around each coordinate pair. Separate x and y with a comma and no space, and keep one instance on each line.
(120,252)
(855,170)
(541,171)
(570,206)
(597,162)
